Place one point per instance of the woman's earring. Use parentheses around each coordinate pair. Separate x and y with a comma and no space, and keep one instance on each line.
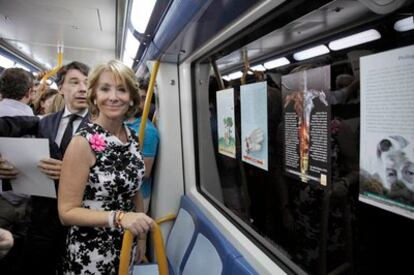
(94,102)
(131,103)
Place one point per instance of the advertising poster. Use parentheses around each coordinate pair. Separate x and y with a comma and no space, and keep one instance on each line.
(306,115)
(225,121)
(387,130)
(253,101)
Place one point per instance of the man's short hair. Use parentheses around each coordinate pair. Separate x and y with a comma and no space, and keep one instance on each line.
(143,83)
(15,83)
(60,77)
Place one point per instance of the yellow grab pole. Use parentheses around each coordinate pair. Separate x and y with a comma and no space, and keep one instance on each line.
(53,71)
(60,56)
(160,250)
(49,74)
(125,253)
(127,240)
(169,217)
(147,105)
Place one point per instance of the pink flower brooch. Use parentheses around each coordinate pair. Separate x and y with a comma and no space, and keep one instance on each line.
(97,142)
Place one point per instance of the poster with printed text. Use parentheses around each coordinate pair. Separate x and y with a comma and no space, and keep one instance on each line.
(306,115)
(253,101)
(387,131)
(225,121)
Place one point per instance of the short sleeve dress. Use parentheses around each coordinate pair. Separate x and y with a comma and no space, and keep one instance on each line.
(113,182)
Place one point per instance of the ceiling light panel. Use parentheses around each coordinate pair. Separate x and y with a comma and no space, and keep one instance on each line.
(405,24)
(354,40)
(276,63)
(141,13)
(311,52)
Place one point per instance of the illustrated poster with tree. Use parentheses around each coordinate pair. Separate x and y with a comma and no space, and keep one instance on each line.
(225,121)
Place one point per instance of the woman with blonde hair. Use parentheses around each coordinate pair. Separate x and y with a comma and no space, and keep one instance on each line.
(101,175)
(45,101)
(57,104)
(40,88)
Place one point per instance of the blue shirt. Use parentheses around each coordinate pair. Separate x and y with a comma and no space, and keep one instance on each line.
(149,148)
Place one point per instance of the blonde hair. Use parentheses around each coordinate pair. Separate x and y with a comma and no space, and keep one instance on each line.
(57,105)
(42,96)
(121,72)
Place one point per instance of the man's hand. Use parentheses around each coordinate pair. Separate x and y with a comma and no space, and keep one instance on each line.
(6,242)
(7,170)
(51,167)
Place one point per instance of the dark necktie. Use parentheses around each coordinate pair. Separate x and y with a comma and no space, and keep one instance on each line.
(67,135)
(6,185)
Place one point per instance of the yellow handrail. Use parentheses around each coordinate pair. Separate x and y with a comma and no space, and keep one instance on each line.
(125,256)
(158,245)
(169,217)
(53,71)
(160,250)
(148,99)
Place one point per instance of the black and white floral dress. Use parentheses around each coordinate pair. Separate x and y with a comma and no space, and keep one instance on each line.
(113,182)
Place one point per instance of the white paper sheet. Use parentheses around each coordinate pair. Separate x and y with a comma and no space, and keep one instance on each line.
(25,154)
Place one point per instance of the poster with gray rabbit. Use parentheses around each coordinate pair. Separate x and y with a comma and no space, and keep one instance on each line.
(253,107)
(387,131)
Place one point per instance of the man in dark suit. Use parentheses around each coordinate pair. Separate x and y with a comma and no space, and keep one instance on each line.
(45,244)
(20,126)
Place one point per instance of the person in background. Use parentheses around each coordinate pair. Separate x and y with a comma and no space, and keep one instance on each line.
(16,86)
(58,104)
(45,101)
(39,89)
(150,144)
(6,242)
(18,126)
(347,88)
(143,84)
(45,245)
(101,175)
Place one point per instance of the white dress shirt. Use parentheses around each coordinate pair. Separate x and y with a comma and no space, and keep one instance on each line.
(64,122)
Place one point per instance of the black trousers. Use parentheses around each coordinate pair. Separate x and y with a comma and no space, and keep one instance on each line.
(46,238)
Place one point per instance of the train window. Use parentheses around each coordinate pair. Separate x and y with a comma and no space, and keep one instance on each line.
(305,135)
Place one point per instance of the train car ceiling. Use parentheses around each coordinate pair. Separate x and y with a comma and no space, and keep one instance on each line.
(189,24)
(299,22)
(143,20)
(35,29)
(298,34)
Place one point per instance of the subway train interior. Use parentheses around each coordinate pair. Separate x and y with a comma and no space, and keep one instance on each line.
(286,127)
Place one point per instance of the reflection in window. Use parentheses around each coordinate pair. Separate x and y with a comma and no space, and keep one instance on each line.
(309,209)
